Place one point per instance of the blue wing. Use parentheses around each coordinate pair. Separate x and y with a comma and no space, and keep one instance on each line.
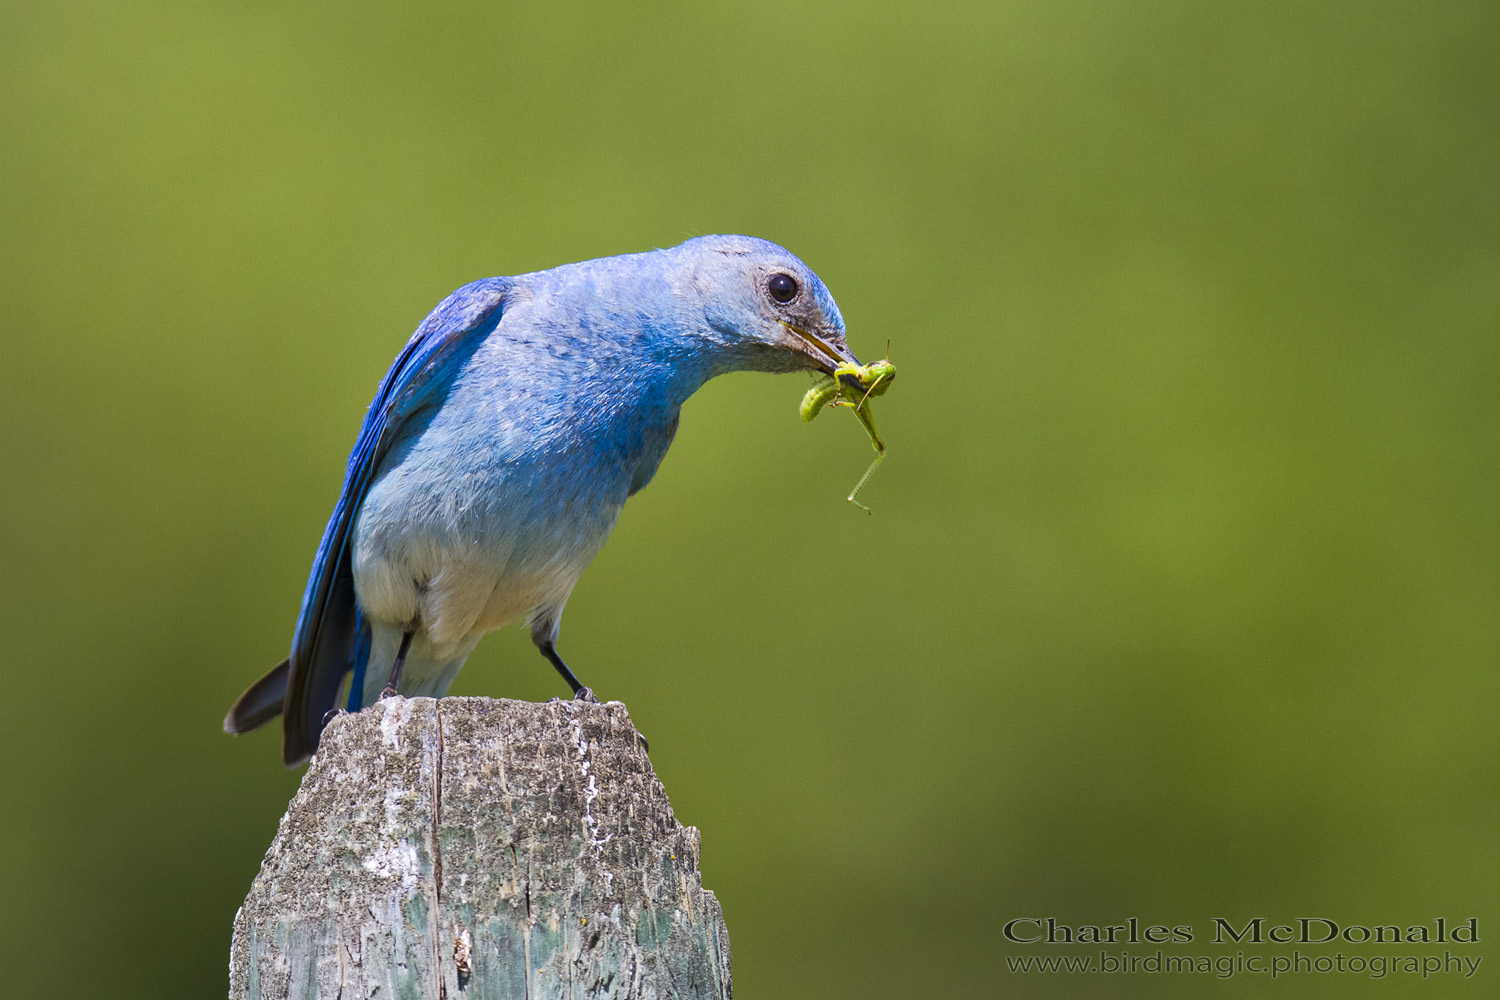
(325,644)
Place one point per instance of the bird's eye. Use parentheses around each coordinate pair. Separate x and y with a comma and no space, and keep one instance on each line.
(783,287)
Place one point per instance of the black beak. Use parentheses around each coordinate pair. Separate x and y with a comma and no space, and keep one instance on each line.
(825,354)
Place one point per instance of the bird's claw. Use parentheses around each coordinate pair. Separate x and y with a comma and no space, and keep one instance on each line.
(585,694)
(387,692)
(332,714)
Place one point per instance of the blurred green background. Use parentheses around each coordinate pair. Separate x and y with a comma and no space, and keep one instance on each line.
(1180,595)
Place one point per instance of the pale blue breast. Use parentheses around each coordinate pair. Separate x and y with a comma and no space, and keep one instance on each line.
(493,504)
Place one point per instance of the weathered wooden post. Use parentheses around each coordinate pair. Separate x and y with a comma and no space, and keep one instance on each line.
(479,848)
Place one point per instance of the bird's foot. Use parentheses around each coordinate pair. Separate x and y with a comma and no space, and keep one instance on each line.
(387,692)
(585,694)
(332,714)
(645,743)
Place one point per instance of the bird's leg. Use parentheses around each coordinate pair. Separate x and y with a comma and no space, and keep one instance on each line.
(390,685)
(579,691)
(544,634)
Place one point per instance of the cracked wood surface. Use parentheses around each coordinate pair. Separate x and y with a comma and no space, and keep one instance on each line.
(480,848)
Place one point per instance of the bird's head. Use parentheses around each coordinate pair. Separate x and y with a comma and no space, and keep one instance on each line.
(764,308)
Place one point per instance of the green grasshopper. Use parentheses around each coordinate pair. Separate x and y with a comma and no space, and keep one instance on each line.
(852,386)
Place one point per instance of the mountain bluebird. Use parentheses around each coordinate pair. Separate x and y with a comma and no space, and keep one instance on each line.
(500,449)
